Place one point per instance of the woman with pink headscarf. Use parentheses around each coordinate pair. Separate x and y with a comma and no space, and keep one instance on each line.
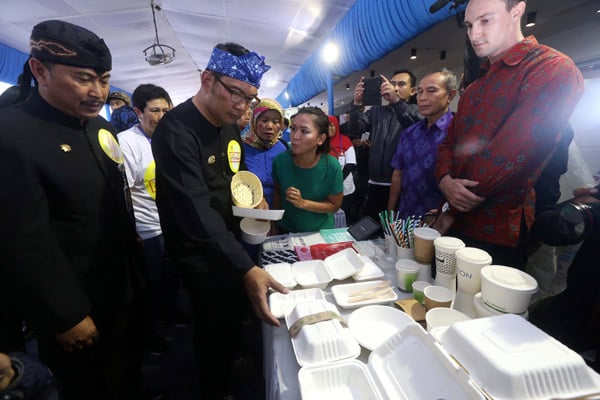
(262,143)
(343,150)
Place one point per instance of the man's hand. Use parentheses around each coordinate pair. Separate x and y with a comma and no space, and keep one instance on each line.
(80,336)
(586,195)
(263,205)
(442,223)
(388,91)
(257,282)
(359,91)
(6,371)
(457,192)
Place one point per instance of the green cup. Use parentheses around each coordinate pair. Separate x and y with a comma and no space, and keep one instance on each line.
(417,288)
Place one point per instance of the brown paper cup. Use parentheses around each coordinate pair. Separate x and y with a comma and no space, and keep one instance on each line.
(423,244)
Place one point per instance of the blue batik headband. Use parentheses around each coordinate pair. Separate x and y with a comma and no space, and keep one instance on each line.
(247,68)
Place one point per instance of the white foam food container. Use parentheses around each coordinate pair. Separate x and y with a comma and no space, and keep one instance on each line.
(341,294)
(271,215)
(511,358)
(281,304)
(311,274)
(322,342)
(369,271)
(347,380)
(344,264)
(282,272)
(408,366)
(373,325)
(317,273)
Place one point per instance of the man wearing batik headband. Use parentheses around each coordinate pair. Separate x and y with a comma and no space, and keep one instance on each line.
(263,143)
(68,249)
(197,151)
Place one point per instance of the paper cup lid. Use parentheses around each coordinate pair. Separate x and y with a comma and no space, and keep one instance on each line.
(448,242)
(473,255)
(407,265)
(509,277)
(426,233)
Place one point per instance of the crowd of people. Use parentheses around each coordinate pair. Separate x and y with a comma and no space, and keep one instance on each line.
(102,222)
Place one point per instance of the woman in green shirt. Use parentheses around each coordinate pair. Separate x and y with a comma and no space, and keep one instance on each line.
(308,181)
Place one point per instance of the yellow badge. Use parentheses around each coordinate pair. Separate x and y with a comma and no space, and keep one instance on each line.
(234,155)
(110,146)
(150,180)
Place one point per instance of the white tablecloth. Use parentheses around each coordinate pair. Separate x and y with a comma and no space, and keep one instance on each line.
(281,367)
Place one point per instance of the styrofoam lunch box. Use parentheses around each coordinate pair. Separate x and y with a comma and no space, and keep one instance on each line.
(410,365)
(369,271)
(510,358)
(321,342)
(318,273)
(282,272)
(341,294)
(281,304)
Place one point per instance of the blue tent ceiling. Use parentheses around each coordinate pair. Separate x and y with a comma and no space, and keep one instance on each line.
(370,30)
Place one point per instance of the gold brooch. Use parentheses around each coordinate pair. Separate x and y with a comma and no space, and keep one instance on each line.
(212,159)
(65,148)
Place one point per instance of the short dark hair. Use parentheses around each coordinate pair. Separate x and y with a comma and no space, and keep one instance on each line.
(322,122)
(146,92)
(233,48)
(413,78)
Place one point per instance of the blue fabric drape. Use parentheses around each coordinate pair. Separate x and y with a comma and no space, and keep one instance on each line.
(11,64)
(370,30)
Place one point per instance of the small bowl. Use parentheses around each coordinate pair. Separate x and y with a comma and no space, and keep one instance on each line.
(246,189)
(507,289)
(254,231)
(437,296)
(482,310)
(441,316)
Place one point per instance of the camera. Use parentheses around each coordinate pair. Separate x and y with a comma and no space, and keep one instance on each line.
(568,223)
(372,94)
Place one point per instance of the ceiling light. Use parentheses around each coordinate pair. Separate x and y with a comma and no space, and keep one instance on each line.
(158,54)
(531,19)
(413,54)
(330,52)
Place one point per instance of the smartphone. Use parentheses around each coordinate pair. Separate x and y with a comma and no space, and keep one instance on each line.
(372,94)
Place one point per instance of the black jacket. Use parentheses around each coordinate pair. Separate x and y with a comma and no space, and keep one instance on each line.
(386,124)
(67,235)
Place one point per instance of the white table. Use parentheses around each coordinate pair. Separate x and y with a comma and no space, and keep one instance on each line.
(280,365)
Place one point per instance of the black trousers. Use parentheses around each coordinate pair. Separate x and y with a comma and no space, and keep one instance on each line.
(376,201)
(110,368)
(221,313)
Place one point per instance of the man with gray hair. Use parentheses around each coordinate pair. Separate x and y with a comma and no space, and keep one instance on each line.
(414,189)
(67,239)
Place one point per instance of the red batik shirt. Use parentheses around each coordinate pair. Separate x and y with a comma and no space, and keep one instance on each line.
(507,125)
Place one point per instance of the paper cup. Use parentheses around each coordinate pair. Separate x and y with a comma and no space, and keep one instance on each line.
(390,246)
(406,274)
(423,244)
(469,262)
(445,260)
(404,253)
(437,296)
(417,288)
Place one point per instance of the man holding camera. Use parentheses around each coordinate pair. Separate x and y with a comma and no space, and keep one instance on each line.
(386,123)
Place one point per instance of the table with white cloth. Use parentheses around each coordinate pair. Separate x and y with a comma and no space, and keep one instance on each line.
(280,365)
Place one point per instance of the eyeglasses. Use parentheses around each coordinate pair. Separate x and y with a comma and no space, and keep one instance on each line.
(237,97)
